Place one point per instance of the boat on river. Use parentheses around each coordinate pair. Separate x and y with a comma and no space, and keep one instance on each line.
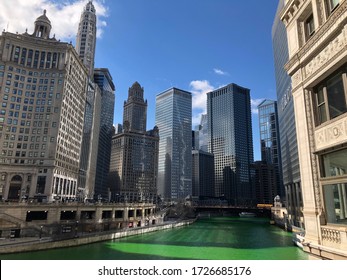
(298,236)
(247,214)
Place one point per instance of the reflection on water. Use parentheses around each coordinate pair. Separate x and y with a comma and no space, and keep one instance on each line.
(217,238)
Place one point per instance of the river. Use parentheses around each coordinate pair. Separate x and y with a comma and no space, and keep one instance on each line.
(215,238)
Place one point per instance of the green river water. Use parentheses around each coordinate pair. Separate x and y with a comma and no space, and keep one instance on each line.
(215,238)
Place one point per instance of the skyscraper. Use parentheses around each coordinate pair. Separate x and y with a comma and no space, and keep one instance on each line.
(270,140)
(202,174)
(85,46)
(134,154)
(43,91)
(174,120)
(231,142)
(90,142)
(103,79)
(286,123)
(86,37)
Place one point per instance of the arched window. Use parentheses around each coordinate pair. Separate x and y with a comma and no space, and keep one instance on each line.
(16,178)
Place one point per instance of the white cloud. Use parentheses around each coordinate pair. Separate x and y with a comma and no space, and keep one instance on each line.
(220,72)
(199,88)
(254,105)
(19,15)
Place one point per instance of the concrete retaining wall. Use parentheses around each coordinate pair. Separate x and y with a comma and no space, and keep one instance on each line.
(18,246)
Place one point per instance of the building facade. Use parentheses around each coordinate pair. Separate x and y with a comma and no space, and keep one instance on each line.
(85,47)
(265,184)
(317,40)
(103,79)
(286,123)
(270,140)
(173,117)
(134,153)
(90,142)
(43,92)
(231,142)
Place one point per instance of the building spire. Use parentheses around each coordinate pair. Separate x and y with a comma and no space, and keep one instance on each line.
(86,37)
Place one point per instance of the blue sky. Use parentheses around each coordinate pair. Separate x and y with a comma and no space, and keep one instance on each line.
(195,45)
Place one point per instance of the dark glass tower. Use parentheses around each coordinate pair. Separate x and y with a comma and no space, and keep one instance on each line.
(231,142)
(286,120)
(174,120)
(103,79)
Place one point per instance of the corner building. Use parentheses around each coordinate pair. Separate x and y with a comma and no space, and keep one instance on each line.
(317,40)
(42,86)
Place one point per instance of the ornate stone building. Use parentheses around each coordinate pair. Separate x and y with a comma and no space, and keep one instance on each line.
(317,40)
(86,37)
(134,153)
(42,95)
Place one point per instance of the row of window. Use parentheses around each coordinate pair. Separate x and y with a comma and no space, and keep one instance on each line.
(35,58)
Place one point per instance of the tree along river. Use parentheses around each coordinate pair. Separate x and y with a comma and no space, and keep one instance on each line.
(215,238)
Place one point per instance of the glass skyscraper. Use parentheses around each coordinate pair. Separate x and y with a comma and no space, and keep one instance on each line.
(174,120)
(286,120)
(103,79)
(270,140)
(230,140)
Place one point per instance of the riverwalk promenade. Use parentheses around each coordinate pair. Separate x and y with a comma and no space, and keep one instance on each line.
(27,244)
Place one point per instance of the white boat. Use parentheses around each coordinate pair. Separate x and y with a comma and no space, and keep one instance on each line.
(298,236)
(247,215)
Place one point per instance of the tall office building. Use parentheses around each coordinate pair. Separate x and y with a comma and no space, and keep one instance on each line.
(85,46)
(317,65)
(103,79)
(134,154)
(43,91)
(286,123)
(270,141)
(90,142)
(203,133)
(231,142)
(86,37)
(202,174)
(174,120)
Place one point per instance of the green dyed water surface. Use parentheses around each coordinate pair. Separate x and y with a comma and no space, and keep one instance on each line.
(217,238)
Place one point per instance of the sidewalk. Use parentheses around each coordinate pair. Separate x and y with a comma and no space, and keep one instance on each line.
(7,242)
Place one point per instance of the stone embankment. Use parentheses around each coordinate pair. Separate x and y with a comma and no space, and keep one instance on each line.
(18,245)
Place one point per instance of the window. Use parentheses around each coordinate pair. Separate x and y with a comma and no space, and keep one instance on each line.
(332,4)
(331,97)
(336,203)
(309,26)
(335,164)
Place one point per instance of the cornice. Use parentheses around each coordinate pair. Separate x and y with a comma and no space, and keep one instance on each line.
(290,9)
